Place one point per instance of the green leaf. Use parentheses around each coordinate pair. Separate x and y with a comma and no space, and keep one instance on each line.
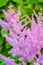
(3,32)
(3,2)
(37,7)
(19,2)
(0,48)
(32,1)
(2,62)
(30,63)
(29,25)
(24,11)
(1,40)
(7,45)
(40,1)
(41,5)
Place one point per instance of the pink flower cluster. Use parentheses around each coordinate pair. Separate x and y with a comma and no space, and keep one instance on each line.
(26,43)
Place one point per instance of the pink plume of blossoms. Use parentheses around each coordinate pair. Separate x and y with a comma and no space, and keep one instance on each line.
(26,43)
